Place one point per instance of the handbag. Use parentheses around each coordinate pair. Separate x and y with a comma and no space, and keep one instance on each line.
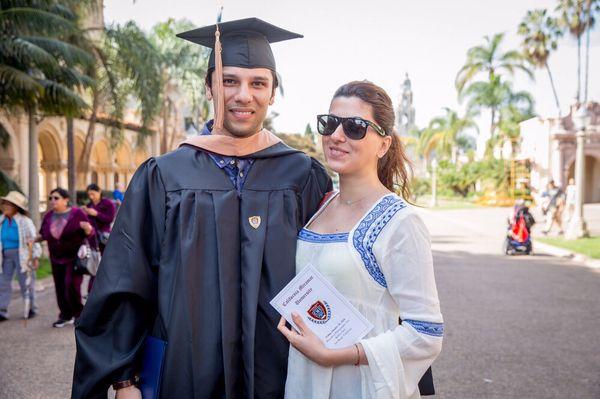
(88,260)
(103,237)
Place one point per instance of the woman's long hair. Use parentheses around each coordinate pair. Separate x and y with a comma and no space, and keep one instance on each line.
(394,169)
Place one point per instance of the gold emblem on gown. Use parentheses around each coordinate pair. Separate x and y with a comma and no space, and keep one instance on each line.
(254,221)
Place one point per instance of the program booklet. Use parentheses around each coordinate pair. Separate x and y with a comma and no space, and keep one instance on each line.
(324,310)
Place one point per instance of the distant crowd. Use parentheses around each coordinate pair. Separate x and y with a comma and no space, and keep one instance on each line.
(76,238)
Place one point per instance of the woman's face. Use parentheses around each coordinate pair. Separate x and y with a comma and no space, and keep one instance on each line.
(346,156)
(9,209)
(94,196)
(58,203)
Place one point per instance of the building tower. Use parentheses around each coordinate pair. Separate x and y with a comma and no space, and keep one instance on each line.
(405,115)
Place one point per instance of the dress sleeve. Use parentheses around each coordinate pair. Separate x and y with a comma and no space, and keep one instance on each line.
(317,184)
(30,237)
(106,212)
(398,358)
(123,303)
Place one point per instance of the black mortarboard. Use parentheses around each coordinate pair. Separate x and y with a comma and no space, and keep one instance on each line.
(245,42)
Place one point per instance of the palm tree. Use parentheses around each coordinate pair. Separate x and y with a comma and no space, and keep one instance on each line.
(489,60)
(540,34)
(182,70)
(495,94)
(575,18)
(592,8)
(40,70)
(443,132)
(126,69)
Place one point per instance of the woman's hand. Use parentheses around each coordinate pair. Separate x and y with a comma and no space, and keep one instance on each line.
(131,392)
(35,263)
(90,211)
(87,227)
(306,341)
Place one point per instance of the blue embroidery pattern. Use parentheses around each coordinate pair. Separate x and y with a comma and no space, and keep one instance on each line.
(368,230)
(425,327)
(309,236)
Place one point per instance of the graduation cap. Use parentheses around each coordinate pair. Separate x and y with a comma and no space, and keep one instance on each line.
(241,43)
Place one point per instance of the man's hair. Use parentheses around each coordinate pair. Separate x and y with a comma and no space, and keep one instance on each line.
(208,79)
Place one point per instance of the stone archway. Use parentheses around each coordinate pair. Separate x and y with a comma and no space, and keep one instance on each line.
(125,165)
(50,159)
(592,178)
(101,164)
(8,162)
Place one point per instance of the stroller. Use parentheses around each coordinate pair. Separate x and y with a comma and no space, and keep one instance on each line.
(518,236)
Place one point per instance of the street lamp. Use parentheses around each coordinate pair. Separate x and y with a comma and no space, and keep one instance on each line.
(434,165)
(577,227)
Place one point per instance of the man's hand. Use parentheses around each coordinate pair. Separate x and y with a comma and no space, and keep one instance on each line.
(35,263)
(131,392)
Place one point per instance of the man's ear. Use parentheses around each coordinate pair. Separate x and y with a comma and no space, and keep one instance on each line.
(272,100)
(208,91)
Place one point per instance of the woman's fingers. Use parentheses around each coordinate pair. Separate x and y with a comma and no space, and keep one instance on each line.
(299,322)
(284,330)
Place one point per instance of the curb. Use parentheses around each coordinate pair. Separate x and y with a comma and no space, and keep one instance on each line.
(577,258)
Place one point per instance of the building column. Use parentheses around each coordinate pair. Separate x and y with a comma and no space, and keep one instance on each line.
(110,180)
(23,137)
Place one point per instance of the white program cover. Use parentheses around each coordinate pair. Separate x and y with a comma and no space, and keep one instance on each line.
(324,310)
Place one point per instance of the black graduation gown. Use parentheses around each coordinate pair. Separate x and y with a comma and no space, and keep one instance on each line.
(184,264)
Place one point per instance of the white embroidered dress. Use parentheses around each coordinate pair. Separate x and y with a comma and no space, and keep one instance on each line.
(383,266)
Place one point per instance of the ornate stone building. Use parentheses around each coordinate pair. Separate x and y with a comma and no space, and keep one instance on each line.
(405,115)
(550,143)
(108,166)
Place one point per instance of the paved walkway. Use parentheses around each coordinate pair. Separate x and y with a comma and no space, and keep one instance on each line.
(516,327)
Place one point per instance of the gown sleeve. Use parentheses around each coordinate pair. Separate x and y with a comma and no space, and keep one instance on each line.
(123,303)
(398,358)
(317,184)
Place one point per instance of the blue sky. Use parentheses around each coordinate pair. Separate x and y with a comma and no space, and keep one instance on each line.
(379,41)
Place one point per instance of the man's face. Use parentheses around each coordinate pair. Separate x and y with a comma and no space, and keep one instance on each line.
(248,94)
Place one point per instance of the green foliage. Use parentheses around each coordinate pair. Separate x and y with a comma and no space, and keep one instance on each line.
(7,184)
(454,180)
(540,33)
(488,59)
(443,132)
(420,187)
(42,57)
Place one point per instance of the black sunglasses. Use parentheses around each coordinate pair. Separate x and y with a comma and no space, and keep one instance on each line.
(355,128)
(54,197)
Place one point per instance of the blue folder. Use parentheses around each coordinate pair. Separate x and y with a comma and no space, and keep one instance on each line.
(153,359)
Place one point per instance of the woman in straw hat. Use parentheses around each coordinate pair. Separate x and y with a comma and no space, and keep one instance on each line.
(18,252)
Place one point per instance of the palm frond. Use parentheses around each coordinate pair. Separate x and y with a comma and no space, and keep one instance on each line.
(25,52)
(68,52)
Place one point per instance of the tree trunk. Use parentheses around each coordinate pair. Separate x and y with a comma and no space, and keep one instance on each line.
(163,141)
(587,51)
(553,89)
(34,180)
(579,68)
(84,160)
(71,166)
(493,122)
(174,130)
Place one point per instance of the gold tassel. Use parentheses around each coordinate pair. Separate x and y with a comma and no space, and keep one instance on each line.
(218,84)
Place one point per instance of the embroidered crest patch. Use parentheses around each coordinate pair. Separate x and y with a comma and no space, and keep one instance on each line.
(254,221)
(319,312)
